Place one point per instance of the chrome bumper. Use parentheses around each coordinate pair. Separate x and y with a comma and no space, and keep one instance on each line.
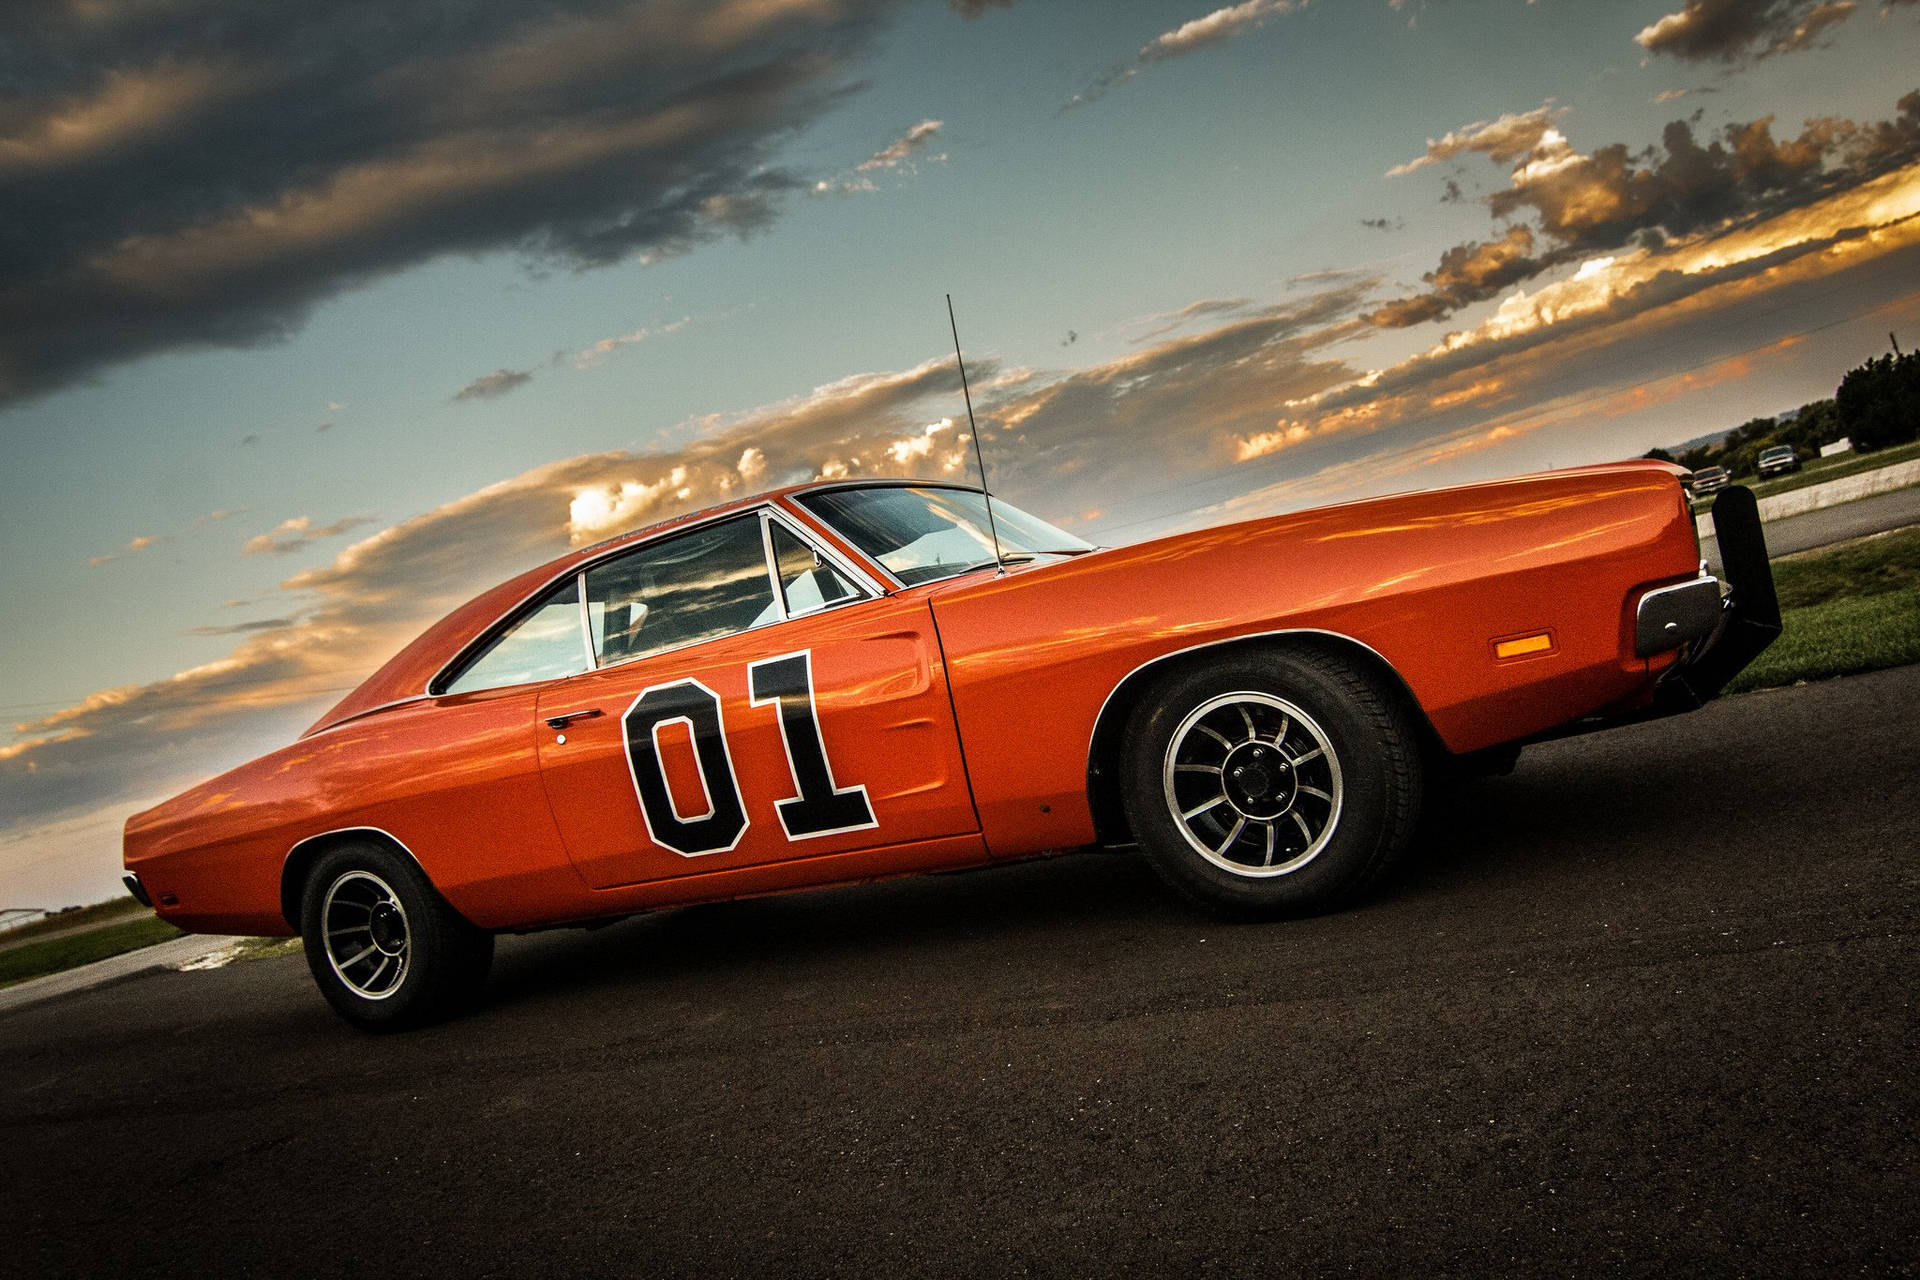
(1672,616)
(1749,615)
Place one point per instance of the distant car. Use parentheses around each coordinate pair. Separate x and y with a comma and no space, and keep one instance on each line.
(1710,480)
(1777,460)
(843,681)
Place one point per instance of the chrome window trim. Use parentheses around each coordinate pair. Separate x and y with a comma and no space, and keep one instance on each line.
(830,486)
(827,486)
(586,620)
(486,633)
(862,583)
(773,566)
(766,507)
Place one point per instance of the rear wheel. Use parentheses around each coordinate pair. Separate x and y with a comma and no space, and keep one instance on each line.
(383,946)
(1271,782)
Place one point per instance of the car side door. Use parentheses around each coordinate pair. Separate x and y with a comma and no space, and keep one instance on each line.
(755,699)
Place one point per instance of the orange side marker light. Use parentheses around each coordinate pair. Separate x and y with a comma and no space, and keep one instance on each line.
(1520,646)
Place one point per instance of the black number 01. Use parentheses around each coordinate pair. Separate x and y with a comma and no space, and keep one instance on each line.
(818,806)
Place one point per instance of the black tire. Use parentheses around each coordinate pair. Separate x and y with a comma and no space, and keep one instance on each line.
(1271,782)
(383,946)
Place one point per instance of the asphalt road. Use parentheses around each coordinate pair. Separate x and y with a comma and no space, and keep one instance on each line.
(1827,525)
(1643,1008)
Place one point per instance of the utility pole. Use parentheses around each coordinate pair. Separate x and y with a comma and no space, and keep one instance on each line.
(1896,344)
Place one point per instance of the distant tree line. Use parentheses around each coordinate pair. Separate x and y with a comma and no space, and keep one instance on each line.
(1876,405)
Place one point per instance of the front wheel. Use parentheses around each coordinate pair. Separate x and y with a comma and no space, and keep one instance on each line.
(1271,783)
(384,948)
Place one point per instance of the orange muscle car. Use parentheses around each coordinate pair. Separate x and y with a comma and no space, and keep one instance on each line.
(839,682)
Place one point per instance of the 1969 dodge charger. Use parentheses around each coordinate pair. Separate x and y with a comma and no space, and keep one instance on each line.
(839,682)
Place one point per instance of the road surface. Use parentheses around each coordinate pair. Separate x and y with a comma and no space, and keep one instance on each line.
(1646,1007)
(1828,525)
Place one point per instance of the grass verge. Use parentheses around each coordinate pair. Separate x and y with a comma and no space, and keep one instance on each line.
(75,918)
(1844,610)
(1819,471)
(38,959)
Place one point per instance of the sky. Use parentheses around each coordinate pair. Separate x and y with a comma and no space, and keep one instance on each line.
(317,320)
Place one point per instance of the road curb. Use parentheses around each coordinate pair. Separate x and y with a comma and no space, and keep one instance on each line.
(172,954)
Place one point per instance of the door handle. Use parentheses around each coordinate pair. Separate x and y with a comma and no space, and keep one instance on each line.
(561,722)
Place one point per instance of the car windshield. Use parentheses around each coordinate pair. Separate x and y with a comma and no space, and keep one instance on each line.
(922,533)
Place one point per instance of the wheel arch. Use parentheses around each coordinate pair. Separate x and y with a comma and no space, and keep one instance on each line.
(302,856)
(1104,747)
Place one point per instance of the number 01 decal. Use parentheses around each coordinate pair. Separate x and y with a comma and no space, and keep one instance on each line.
(818,806)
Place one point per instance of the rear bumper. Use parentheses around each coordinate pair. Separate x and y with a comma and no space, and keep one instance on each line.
(1749,618)
(1721,632)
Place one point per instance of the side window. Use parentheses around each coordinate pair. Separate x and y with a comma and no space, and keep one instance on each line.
(543,645)
(699,586)
(807,581)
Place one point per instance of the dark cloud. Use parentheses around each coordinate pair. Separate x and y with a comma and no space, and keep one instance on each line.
(1599,201)
(1467,273)
(974,8)
(494,385)
(1737,31)
(1382,224)
(181,175)
(1586,204)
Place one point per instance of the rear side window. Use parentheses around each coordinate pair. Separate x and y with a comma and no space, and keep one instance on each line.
(699,586)
(544,645)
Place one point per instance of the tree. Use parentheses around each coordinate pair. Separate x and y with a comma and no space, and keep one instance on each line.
(1879,402)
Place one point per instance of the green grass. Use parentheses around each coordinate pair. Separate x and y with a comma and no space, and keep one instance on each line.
(1839,638)
(36,959)
(98,913)
(1848,609)
(1868,566)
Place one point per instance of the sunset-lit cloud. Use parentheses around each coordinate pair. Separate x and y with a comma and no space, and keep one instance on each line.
(1503,141)
(1212,28)
(1641,206)
(1737,30)
(297,533)
(903,153)
(592,354)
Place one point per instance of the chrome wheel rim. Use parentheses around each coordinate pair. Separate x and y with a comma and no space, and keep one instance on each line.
(366,933)
(1253,784)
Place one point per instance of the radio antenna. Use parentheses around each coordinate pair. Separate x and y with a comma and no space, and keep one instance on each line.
(992,529)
